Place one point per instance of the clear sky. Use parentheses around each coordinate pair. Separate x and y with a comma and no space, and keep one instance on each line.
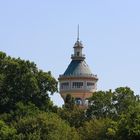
(44,31)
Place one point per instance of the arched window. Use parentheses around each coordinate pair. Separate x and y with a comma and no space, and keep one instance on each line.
(78,101)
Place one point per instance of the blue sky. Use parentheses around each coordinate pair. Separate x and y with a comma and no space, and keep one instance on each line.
(44,31)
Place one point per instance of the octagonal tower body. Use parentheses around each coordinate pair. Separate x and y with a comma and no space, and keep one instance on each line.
(78,80)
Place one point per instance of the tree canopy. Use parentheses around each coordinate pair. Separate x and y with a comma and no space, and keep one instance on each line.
(22,81)
(27,113)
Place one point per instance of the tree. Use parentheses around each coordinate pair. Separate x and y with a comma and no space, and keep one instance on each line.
(100,105)
(75,117)
(95,129)
(69,102)
(70,112)
(111,104)
(123,97)
(129,123)
(44,126)
(6,132)
(21,81)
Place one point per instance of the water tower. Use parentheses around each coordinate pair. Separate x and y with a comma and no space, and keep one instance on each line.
(78,80)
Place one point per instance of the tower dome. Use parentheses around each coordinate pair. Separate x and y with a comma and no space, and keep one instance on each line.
(79,68)
(78,80)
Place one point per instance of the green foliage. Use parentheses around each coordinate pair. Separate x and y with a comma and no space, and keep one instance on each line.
(112,130)
(111,104)
(21,110)
(123,97)
(129,123)
(6,132)
(26,109)
(69,102)
(21,81)
(93,130)
(75,117)
(44,126)
(99,129)
(101,105)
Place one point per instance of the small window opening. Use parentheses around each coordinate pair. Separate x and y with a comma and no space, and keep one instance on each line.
(78,53)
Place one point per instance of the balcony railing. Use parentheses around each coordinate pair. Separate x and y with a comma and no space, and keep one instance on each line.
(74,55)
(79,75)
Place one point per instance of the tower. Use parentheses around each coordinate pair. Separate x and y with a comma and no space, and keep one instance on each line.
(78,80)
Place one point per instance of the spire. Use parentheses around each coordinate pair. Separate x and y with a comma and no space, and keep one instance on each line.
(78,46)
(78,33)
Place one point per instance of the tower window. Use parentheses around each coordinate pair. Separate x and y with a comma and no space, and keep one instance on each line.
(77,85)
(78,53)
(64,85)
(90,84)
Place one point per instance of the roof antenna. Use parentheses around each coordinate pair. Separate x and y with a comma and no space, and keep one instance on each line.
(78,33)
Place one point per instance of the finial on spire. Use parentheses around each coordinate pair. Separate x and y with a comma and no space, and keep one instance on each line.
(78,33)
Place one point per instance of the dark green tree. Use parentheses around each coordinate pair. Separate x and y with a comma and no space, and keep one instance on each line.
(69,102)
(70,112)
(21,81)
(129,123)
(101,105)
(123,97)
(97,129)
(44,126)
(6,132)
(75,117)
(111,104)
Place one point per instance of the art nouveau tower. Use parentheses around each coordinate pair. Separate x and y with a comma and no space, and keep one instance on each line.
(78,80)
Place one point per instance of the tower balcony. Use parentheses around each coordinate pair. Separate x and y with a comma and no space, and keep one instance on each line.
(76,57)
(78,75)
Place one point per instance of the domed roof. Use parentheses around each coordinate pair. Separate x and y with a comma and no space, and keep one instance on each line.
(78,68)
